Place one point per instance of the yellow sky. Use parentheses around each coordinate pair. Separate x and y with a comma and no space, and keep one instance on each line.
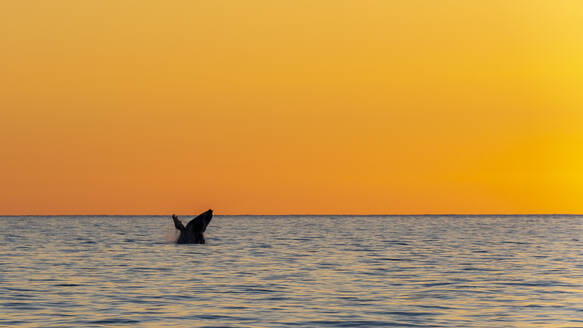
(276,107)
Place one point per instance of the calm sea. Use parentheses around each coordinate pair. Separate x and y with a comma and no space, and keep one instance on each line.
(293,271)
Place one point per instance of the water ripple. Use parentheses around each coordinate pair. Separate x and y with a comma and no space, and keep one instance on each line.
(298,271)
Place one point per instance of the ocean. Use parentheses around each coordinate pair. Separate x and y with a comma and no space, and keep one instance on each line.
(293,271)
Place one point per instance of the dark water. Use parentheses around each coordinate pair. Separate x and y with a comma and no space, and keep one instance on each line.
(293,271)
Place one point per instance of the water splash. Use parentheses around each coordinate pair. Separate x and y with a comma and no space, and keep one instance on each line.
(171,234)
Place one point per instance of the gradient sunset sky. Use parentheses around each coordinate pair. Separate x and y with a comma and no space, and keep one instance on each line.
(284,107)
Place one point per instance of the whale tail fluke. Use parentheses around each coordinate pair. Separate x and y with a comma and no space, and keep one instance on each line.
(193,232)
(200,222)
(177,223)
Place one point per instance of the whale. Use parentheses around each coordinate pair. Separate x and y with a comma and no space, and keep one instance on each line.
(193,232)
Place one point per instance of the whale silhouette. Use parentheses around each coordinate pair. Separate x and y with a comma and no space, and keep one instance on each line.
(193,232)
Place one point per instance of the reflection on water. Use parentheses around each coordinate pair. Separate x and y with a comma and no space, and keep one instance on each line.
(300,271)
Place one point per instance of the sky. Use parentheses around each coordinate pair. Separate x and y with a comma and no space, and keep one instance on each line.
(291,107)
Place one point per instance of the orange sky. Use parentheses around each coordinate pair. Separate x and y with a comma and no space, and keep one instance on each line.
(282,107)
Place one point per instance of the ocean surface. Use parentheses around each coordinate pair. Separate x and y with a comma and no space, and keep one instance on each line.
(293,271)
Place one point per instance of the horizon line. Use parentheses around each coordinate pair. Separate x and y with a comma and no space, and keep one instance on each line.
(304,214)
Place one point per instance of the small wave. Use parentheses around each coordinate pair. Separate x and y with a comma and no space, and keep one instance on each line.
(20,306)
(354,323)
(13,322)
(435,284)
(113,321)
